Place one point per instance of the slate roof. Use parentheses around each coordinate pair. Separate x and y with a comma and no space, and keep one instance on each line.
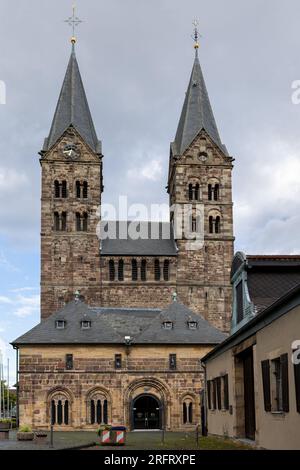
(155,239)
(196,114)
(73,109)
(269,277)
(111,325)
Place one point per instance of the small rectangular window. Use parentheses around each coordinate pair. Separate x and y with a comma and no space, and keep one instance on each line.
(86,324)
(172,362)
(118,361)
(60,324)
(69,361)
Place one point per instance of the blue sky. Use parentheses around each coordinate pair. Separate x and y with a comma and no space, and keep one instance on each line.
(135,58)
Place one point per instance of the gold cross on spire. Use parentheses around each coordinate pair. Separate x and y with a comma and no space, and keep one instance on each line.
(73,21)
(196,36)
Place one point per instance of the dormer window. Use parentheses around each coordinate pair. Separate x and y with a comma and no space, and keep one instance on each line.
(86,324)
(168,325)
(60,324)
(192,325)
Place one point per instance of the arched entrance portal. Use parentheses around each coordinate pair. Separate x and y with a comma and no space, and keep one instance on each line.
(146,412)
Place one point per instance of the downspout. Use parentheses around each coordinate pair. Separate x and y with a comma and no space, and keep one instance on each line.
(204,428)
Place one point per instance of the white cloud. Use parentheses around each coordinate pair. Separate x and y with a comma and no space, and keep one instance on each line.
(5,300)
(152,171)
(27,306)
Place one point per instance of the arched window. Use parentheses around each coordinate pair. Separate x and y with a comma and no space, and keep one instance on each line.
(78,189)
(190,192)
(97,408)
(197,192)
(187,411)
(112,272)
(157,270)
(216,192)
(166,270)
(144,270)
(56,189)
(217,225)
(85,222)
(121,270)
(60,409)
(56,221)
(210,192)
(134,270)
(64,189)
(211,224)
(85,190)
(78,222)
(63,221)
(194,225)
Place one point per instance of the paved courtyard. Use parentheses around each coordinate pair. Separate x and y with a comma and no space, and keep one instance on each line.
(135,441)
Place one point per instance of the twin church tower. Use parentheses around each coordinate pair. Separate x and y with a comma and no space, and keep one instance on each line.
(135,272)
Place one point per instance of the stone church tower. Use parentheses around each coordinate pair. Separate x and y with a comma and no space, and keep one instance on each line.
(200,176)
(71,162)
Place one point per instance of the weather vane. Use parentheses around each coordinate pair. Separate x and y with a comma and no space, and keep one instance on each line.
(73,21)
(196,35)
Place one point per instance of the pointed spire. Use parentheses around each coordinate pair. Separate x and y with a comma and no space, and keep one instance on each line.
(73,109)
(197,112)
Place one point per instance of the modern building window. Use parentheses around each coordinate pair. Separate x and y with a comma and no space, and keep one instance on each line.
(166,270)
(219,393)
(225,392)
(121,270)
(156,270)
(276,384)
(112,271)
(172,362)
(134,270)
(118,361)
(214,394)
(69,361)
(209,387)
(144,270)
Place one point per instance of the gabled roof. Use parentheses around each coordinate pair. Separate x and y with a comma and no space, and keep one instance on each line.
(180,316)
(73,110)
(196,114)
(156,239)
(111,325)
(269,277)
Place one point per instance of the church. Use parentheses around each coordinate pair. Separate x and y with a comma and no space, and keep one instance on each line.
(125,321)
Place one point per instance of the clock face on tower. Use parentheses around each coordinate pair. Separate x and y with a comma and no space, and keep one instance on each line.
(71,151)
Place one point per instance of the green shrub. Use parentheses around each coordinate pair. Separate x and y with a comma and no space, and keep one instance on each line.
(5,420)
(25,428)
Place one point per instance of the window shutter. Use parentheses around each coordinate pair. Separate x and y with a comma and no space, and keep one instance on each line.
(284,361)
(226,394)
(219,397)
(209,394)
(297,385)
(265,367)
(214,383)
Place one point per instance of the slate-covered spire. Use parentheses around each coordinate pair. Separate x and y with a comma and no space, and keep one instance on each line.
(73,109)
(196,113)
